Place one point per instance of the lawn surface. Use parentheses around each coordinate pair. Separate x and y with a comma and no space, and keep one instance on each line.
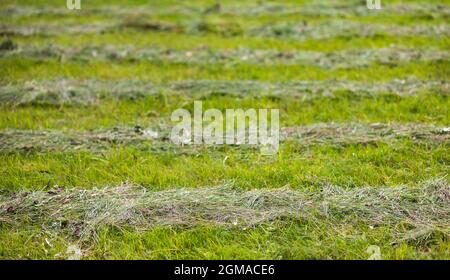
(364,109)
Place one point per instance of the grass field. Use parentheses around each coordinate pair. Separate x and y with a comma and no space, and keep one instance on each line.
(87,170)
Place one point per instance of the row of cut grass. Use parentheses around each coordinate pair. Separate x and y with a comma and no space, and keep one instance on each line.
(423,108)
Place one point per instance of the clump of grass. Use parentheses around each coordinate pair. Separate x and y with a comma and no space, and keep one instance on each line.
(343,28)
(52,29)
(143,25)
(357,133)
(53,141)
(57,93)
(7,45)
(412,213)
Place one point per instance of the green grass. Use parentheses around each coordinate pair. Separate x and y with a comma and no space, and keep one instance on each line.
(296,240)
(300,167)
(407,161)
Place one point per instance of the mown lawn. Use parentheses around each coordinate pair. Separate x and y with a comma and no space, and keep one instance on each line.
(364,155)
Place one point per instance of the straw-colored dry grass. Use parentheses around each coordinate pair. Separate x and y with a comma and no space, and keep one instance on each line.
(60,93)
(413,213)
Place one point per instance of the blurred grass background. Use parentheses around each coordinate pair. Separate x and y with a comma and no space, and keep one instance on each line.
(225,25)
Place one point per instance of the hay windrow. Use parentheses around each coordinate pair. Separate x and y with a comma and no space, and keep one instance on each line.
(96,141)
(157,139)
(332,60)
(354,133)
(292,30)
(73,93)
(91,92)
(341,28)
(312,8)
(420,210)
(52,30)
